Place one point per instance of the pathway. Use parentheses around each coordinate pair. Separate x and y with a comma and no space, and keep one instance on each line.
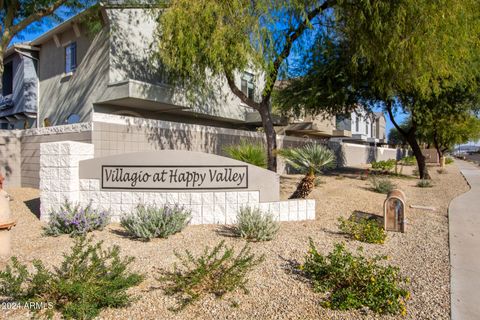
(464,225)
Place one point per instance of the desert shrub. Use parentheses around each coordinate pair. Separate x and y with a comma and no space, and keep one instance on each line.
(255,225)
(365,230)
(384,165)
(354,281)
(88,280)
(448,160)
(409,161)
(75,219)
(148,222)
(216,271)
(424,183)
(381,185)
(253,153)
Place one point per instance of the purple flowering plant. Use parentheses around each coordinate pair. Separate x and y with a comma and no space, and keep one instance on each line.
(74,219)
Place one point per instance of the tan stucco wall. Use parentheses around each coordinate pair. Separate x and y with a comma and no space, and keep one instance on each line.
(10,158)
(349,154)
(120,134)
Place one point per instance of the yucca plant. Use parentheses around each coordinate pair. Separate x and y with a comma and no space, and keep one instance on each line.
(310,160)
(253,153)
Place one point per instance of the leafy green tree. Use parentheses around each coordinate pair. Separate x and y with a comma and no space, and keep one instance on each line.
(16,16)
(399,55)
(205,39)
(395,138)
(446,131)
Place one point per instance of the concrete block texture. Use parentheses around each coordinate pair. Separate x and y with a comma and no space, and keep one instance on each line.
(59,182)
(59,177)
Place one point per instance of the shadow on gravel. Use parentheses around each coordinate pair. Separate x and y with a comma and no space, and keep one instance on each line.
(226,231)
(125,234)
(34,206)
(361,215)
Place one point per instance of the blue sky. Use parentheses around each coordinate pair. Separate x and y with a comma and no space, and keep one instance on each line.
(45,25)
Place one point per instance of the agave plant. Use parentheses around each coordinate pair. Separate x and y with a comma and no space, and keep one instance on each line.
(310,160)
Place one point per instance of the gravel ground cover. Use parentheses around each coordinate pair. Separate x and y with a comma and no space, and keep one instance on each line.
(276,292)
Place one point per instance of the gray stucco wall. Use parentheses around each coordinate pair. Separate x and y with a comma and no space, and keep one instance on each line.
(25,85)
(62,95)
(131,57)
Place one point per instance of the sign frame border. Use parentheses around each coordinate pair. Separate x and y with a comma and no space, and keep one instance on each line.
(172,166)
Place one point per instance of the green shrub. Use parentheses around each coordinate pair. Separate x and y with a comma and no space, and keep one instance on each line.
(88,280)
(75,220)
(449,160)
(253,153)
(382,185)
(255,225)
(424,183)
(148,222)
(384,165)
(216,271)
(354,281)
(409,161)
(365,230)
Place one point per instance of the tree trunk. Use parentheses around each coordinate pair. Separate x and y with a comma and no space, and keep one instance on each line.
(305,187)
(1,65)
(412,141)
(417,152)
(441,158)
(270,134)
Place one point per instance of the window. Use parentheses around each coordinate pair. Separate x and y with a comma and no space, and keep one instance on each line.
(7,79)
(71,57)
(248,85)
(357,123)
(366,127)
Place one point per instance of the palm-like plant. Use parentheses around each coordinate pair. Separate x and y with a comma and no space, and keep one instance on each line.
(310,160)
(253,153)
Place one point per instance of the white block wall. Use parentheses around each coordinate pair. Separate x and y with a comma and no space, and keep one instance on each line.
(59,180)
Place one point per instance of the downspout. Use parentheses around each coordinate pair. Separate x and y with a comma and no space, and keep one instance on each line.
(38,83)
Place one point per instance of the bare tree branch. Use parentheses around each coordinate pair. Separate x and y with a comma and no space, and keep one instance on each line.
(239,93)
(36,16)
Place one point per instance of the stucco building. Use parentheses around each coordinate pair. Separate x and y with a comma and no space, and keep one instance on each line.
(70,72)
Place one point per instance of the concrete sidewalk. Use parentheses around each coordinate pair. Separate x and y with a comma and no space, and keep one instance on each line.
(464,232)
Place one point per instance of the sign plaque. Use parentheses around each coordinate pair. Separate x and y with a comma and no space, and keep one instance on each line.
(150,177)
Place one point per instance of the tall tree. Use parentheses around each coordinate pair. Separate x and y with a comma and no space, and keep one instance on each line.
(399,55)
(17,15)
(204,39)
(452,119)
